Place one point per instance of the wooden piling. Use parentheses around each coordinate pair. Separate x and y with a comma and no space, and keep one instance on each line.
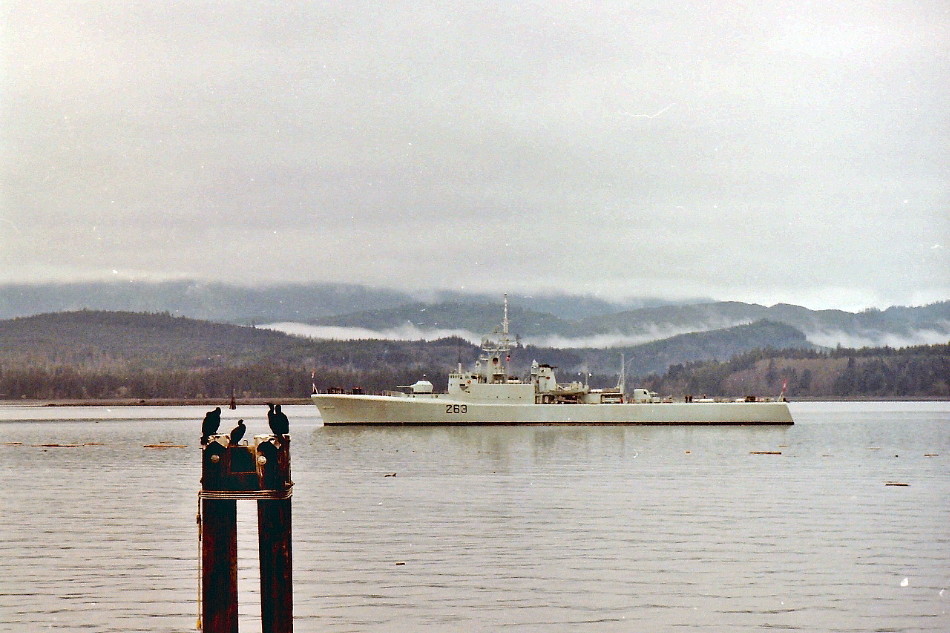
(277,599)
(219,596)
(230,473)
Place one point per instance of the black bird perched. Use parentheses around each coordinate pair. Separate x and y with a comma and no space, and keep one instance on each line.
(210,424)
(237,433)
(270,415)
(279,424)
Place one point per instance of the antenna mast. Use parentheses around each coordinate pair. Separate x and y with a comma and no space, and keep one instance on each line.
(622,381)
(504,323)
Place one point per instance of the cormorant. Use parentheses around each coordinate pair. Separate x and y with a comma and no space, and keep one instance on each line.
(237,433)
(270,415)
(210,424)
(279,424)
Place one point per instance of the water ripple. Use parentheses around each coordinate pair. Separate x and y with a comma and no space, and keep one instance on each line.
(521,529)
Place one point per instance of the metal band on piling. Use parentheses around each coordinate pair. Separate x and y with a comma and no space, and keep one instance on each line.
(250,495)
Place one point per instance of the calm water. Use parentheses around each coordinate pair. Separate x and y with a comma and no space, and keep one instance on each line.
(499,529)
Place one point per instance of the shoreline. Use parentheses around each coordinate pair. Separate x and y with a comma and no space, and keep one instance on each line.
(151,402)
(225,402)
(870,399)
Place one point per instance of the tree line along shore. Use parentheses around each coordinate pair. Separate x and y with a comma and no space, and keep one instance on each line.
(912,373)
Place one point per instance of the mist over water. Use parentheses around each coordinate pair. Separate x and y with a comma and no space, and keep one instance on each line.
(598,529)
(880,339)
(407,332)
(411,332)
(647,334)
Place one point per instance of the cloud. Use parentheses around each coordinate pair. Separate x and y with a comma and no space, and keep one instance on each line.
(406,332)
(871,338)
(731,149)
(409,332)
(646,333)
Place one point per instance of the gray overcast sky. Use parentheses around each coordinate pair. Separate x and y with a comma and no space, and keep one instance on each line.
(759,151)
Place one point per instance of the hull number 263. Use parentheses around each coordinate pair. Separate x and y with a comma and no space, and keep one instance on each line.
(456,408)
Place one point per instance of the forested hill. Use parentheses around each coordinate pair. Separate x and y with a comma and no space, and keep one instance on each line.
(657,356)
(920,371)
(95,354)
(99,354)
(94,339)
(91,339)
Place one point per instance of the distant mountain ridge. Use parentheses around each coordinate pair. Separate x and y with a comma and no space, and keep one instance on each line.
(198,300)
(562,321)
(230,303)
(895,327)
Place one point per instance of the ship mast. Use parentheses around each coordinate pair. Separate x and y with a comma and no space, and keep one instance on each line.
(622,380)
(505,343)
(496,350)
(504,322)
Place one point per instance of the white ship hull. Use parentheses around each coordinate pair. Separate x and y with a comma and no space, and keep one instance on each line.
(445,409)
(489,394)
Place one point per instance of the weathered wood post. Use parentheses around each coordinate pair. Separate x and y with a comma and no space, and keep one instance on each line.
(219,596)
(230,473)
(274,539)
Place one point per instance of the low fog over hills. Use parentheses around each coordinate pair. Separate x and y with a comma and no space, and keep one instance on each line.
(340,311)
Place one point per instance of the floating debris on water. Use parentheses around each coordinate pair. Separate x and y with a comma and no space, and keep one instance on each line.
(765,452)
(164,445)
(895,483)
